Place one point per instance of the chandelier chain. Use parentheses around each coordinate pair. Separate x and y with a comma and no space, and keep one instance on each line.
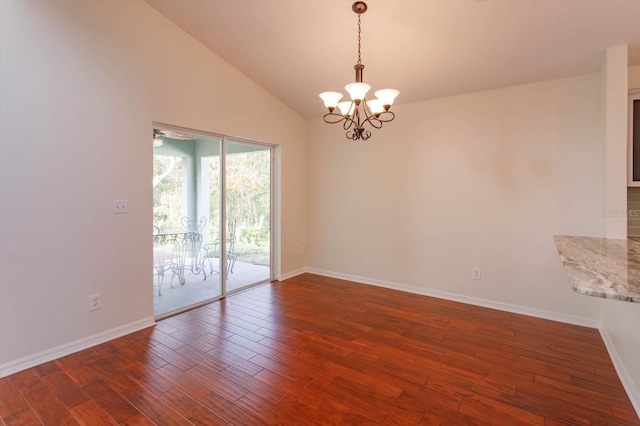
(359,37)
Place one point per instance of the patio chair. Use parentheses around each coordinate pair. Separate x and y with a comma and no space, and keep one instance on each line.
(164,257)
(188,254)
(212,251)
(193,226)
(192,243)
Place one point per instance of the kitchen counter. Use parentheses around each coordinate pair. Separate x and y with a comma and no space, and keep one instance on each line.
(602,267)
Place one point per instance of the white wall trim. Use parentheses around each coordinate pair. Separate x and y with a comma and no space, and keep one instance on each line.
(291,274)
(627,381)
(20,364)
(524,310)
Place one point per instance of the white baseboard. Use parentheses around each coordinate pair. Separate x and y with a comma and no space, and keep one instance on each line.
(291,274)
(627,382)
(20,364)
(538,313)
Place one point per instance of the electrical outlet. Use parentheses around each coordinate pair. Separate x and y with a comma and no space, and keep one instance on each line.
(301,249)
(476,273)
(95,302)
(120,206)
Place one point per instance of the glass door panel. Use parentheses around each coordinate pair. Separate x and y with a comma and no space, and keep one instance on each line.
(248,181)
(186,218)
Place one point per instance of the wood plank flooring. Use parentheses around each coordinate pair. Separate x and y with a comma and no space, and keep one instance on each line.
(315,350)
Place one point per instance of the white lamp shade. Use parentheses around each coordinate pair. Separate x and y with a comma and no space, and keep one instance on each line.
(386,96)
(347,107)
(357,91)
(331,99)
(375,106)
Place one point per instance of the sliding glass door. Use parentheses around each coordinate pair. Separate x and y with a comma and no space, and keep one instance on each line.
(248,182)
(211,215)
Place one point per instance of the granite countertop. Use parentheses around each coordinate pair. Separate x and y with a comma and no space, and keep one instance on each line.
(602,267)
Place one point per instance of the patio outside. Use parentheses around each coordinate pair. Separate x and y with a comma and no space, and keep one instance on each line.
(196,289)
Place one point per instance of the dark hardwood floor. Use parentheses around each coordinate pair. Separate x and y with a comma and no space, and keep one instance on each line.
(314,350)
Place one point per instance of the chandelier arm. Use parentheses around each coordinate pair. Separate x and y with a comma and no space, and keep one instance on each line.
(373,122)
(356,117)
(377,121)
(367,111)
(333,118)
(348,123)
(372,119)
(384,114)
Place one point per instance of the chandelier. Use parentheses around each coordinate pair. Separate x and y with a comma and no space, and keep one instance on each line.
(354,114)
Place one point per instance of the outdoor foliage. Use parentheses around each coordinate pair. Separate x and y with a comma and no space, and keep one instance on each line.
(167,191)
(248,199)
(248,196)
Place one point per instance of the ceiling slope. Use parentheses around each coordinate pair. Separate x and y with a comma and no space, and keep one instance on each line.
(296,49)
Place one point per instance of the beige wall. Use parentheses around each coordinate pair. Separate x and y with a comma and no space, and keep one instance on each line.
(619,320)
(81,83)
(634,77)
(614,183)
(619,325)
(483,179)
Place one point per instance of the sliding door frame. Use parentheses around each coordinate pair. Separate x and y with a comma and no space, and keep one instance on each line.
(274,209)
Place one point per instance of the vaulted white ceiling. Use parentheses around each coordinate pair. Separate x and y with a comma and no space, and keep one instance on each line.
(424,48)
